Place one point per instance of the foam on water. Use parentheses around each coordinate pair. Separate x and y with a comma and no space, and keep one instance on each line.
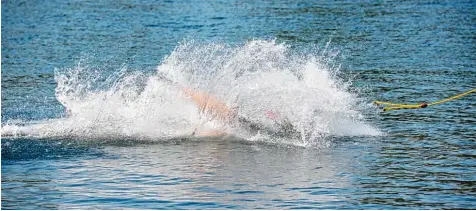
(254,79)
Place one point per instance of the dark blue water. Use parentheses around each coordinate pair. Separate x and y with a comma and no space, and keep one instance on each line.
(399,51)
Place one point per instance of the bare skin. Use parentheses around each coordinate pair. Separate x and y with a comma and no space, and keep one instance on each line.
(210,133)
(210,105)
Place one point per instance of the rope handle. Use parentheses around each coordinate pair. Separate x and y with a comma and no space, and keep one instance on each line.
(396,106)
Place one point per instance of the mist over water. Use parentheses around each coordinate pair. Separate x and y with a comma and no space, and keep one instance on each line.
(255,78)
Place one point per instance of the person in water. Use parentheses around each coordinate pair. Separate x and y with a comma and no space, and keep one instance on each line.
(211,106)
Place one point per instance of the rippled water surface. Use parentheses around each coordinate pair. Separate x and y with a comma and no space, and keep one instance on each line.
(88,123)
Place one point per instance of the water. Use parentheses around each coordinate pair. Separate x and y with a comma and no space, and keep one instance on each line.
(88,123)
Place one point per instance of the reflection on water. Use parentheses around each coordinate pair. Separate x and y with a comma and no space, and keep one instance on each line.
(209,173)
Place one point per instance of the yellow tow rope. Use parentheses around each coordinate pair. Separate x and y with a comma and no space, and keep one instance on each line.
(395,106)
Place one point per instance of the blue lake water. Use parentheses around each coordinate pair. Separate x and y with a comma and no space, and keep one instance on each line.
(88,124)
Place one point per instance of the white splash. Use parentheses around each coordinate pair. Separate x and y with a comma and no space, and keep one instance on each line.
(258,79)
